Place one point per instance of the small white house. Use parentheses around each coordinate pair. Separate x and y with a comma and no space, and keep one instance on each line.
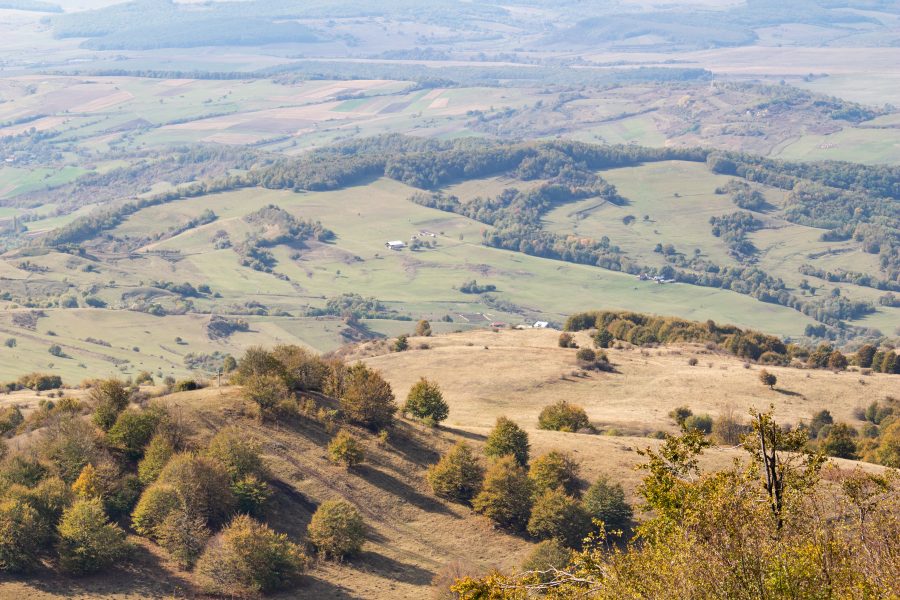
(541,325)
(395,245)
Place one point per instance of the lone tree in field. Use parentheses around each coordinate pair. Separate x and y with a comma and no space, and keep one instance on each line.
(337,529)
(426,403)
(506,495)
(507,439)
(768,379)
(345,449)
(457,476)
(367,398)
(423,328)
(563,416)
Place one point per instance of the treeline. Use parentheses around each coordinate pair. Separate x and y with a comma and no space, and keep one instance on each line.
(733,229)
(642,329)
(854,277)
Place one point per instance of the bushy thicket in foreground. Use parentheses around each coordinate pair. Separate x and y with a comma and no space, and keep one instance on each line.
(779,526)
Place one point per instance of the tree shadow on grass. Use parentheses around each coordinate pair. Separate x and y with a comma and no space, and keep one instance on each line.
(475,437)
(394,486)
(787,392)
(392,568)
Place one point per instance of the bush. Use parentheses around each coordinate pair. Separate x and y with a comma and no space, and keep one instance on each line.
(248,558)
(506,495)
(185,385)
(40,382)
(143,378)
(586,355)
(238,453)
(156,455)
(457,476)
(554,471)
(546,557)
(558,516)
(49,498)
(88,542)
(301,369)
(426,403)
(507,439)
(345,449)
(603,339)
(727,428)
(680,414)
(563,416)
(423,328)
(606,501)
(819,421)
(154,506)
(266,391)
(367,398)
(132,431)
(840,441)
(10,418)
(401,343)
(251,494)
(702,423)
(567,341)
(109,397)
(768,379)
(183,535)
(692,361)
(203,486)
(257,362)
(68,445)
(19,546)
(337,529)
(20,469)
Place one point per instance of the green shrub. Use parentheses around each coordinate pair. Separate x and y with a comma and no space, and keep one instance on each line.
(132,431)
(841,441)
(337,529)
(457,476)
(556,515)
(345,449)
(507,439)
(266,391)
(554,471)
(185,385)
(68,444)
(203,486)
(156,455)
(506,494)
(301,369)
(423,328)
(702,423)
(153,507)
(19,546)
(23,470)
(680,414)
(88,542)
(563,416)
(567,341)
(109,398)
(40,382)
(251,494)
(606,501)
(183,536)
(426,403)
(248,558)
(257,362)
(586,355)
(546,556)
(367,399)
(603,339)
(239,453)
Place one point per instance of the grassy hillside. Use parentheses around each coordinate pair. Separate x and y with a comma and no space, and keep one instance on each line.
(415,536)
